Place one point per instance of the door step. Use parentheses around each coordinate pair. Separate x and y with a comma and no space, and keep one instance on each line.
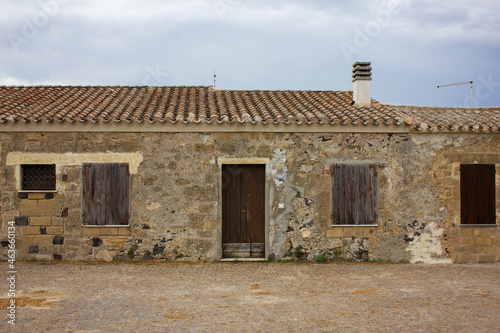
(243,259)
(243,250)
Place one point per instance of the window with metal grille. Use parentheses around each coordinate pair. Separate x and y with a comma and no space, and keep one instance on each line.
(354,194)
(38,176)
(105,194)
(477,194)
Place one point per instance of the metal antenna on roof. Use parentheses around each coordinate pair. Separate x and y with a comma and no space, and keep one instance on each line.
(214,78)
(456,84)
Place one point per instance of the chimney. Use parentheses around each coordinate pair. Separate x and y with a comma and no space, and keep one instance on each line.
(361,77)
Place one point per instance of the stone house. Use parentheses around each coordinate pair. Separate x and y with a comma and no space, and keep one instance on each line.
(194,173)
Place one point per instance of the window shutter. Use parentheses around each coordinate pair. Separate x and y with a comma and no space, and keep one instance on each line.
(354,194)
(477,194)
(118,194)
(105,194)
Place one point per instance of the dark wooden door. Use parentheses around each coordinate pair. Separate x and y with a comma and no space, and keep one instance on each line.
(243,211)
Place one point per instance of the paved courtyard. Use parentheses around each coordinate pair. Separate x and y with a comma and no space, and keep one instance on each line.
(253,297)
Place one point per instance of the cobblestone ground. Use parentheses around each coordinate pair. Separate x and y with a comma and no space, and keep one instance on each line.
(253,297)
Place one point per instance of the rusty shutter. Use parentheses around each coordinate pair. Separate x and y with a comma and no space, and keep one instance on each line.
(354,194)
(105,194)
(477,194)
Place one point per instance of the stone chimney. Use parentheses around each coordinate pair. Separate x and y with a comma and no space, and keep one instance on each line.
(361,77)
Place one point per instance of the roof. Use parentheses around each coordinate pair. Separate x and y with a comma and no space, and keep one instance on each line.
(179,104)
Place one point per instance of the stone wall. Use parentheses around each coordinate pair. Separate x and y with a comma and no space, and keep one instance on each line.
(174,200)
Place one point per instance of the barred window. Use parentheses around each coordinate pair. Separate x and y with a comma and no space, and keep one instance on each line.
(38,176)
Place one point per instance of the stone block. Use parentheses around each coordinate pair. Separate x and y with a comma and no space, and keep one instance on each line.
(55,230)
(466,232)
(448,181)
(124,231)
(33,249)
(43,239)
(386,213)
(29,230)
(28,207)
(116,242)
(467,257)
(483,258)
(362,232)
(40,221)
(489,232)
(211,225)
(21,220)
(348,232)
(49,207)
(57,221)
(453,206)
(461,249)
(91,231)
(196,221)
(110,231)
(58,240)
(489,250)
(36,196)
(336,232)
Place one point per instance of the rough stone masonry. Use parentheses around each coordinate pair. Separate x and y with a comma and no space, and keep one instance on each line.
(175,184)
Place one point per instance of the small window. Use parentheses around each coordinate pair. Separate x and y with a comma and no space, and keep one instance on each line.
(354,194)
(105,194)
(38,176)
(477,194)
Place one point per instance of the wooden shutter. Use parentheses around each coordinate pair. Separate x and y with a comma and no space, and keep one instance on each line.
(477,194)
(354,194)
(105,194)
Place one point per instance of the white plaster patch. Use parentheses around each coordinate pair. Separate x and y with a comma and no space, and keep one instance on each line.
(426,248)
(278,166)
(153,206)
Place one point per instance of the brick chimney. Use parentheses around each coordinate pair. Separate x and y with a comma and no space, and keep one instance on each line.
(361,77)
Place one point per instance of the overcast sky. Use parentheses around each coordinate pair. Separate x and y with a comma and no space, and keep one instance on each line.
(252,44)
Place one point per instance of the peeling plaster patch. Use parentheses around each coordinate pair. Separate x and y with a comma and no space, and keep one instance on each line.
(153,206)
(426,247)
(278,166)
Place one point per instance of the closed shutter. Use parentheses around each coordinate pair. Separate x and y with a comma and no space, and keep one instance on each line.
(105,194)
(477,194)
(354,194)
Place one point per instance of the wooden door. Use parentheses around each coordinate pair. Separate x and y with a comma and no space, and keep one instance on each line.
(243,211)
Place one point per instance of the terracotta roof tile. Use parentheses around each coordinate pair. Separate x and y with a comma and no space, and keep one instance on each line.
(479,119)
(206,105)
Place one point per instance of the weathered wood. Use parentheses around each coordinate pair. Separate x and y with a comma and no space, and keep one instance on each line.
(243,250)
(243,202)
(477,194)
(354,194)
(236,250)
(105,194)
